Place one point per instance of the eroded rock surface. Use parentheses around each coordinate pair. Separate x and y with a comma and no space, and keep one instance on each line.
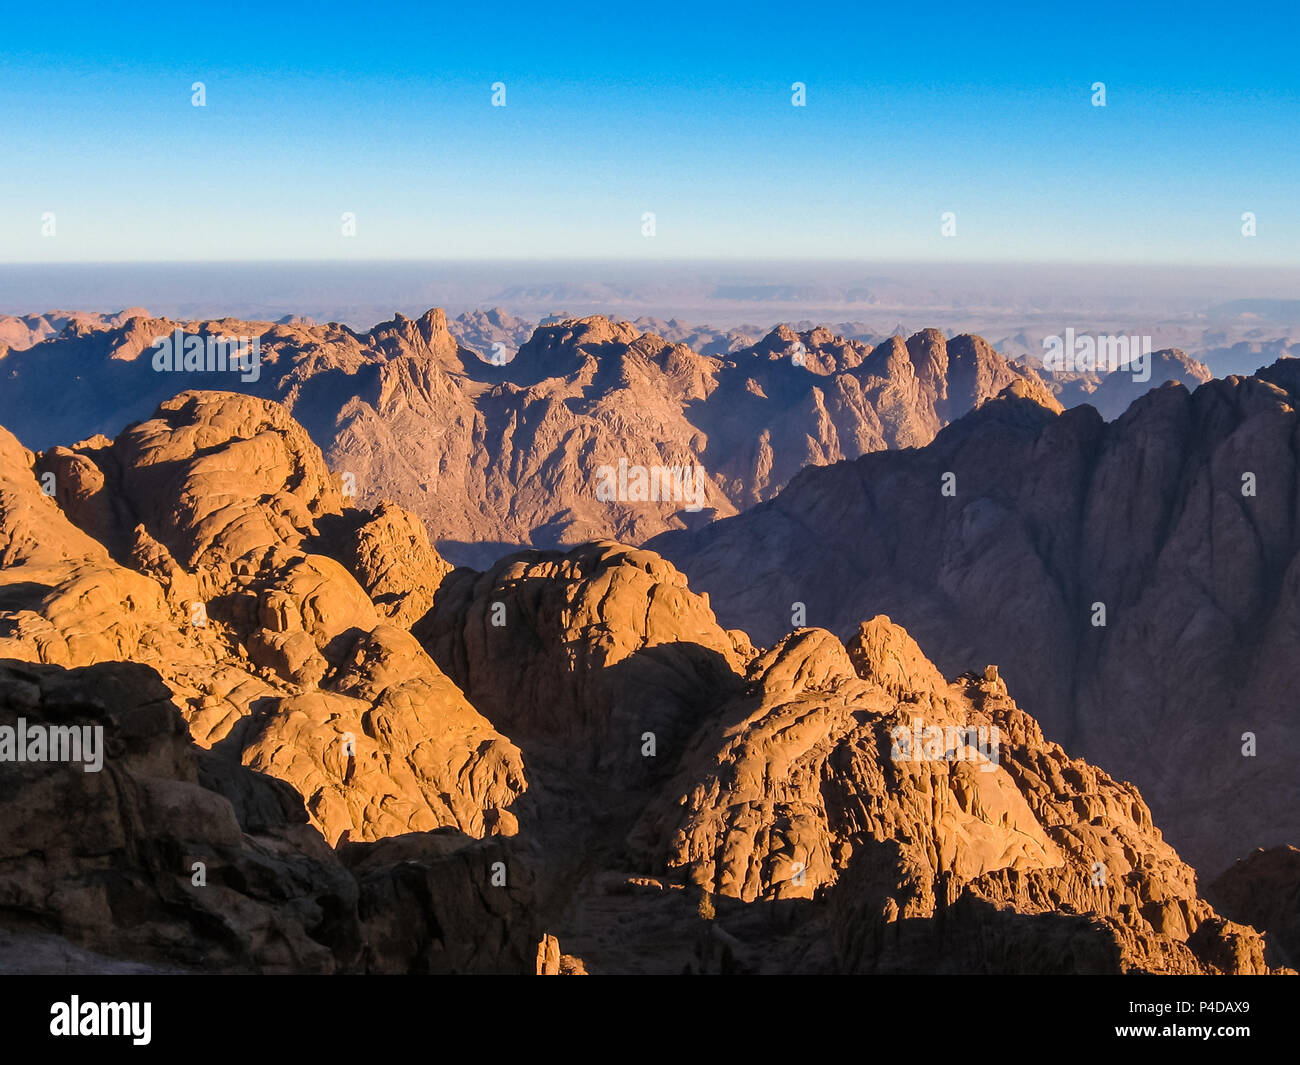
(227,523)
(859,776)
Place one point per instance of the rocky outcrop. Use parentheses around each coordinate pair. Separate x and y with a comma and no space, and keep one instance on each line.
(1134,581)
(859,776)
(139,859)
(62,597)
(397,566)
(390,747)
(274,651)
(602,652)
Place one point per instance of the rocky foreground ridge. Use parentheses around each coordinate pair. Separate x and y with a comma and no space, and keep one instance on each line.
(326,752)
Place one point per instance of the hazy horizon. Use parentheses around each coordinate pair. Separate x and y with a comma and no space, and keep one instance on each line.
(974,297)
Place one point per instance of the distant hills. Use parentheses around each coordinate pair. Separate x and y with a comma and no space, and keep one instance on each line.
(495,430)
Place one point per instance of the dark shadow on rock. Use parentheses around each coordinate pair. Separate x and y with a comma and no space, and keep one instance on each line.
(181,857)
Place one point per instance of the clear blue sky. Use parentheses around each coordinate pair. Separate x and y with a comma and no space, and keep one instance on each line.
(613,110)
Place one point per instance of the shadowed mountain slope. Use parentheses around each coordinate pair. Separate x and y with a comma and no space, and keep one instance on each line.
(1135,581)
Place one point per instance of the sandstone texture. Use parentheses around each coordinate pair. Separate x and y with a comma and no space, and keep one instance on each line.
(234,584)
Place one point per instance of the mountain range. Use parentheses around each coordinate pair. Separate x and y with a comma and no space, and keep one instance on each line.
(501,440)
(390,684)
(326,752)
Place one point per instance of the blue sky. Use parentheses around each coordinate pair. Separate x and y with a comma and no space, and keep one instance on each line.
(384,110)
